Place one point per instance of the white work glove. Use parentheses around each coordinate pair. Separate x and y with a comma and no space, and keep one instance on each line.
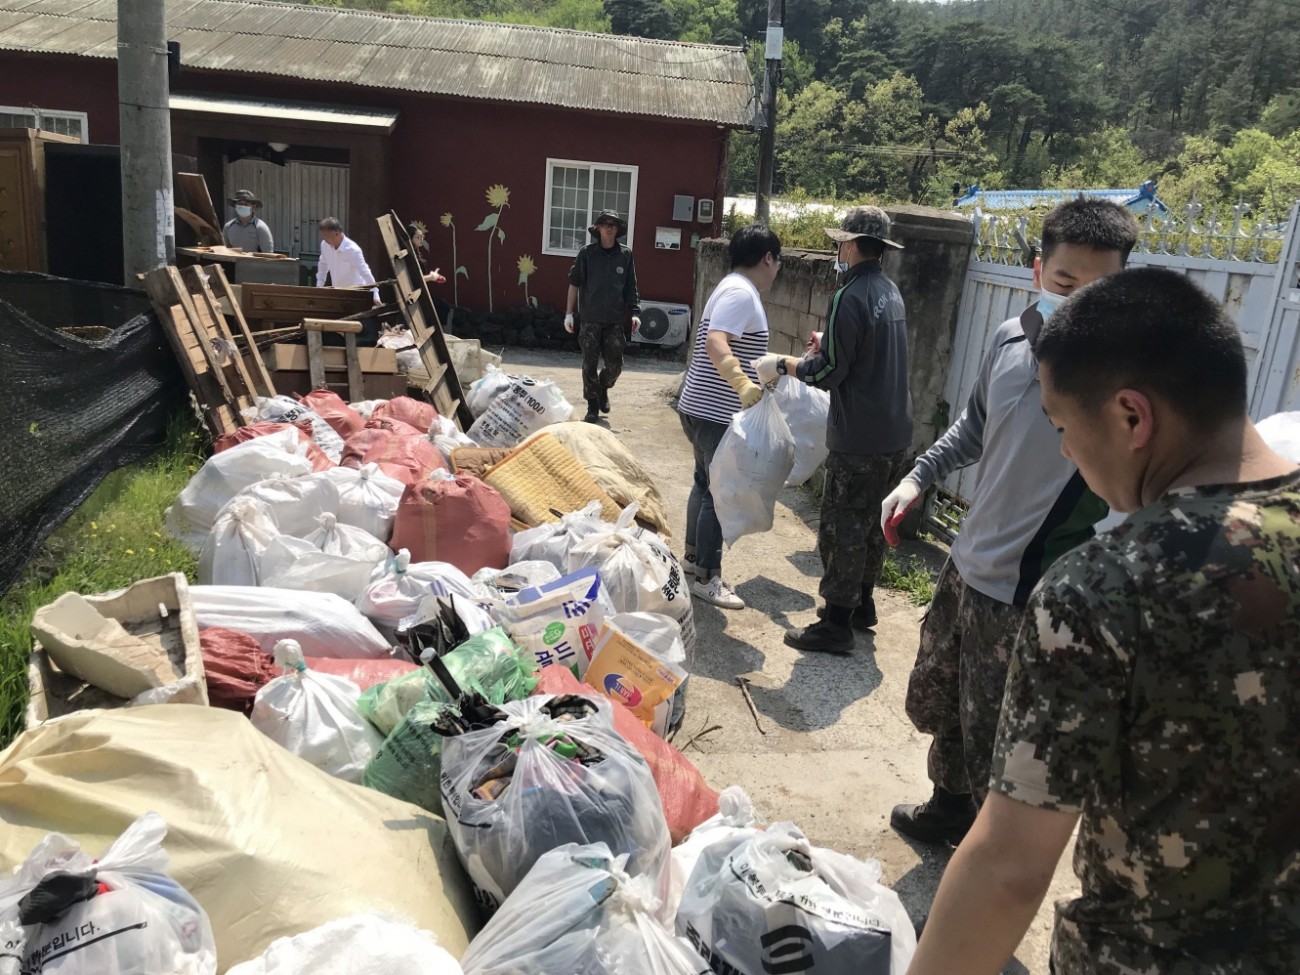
(896,506)
(814,343)
(568,322)
(765,366)
(636,324)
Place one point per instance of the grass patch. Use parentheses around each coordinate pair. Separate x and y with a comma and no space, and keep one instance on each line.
(112,540)
(909,575)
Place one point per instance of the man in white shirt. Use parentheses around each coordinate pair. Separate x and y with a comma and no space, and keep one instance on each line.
(341,260)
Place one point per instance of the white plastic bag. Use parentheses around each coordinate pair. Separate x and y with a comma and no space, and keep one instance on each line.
(295,563)
(398,586)
(296,502)
(224,475)
(639,571)
(749,468)
(550,799)
(1281,432)
(551,542)
(524,408)
(805,410)
(735,818)
(315,717)
(558,622)
(143,924)
(232,555)
(350,945)
(579,911)
(751,889)
(285,409)
(324,624)
(366,407)
(367,498)
(446,436)
(483,391)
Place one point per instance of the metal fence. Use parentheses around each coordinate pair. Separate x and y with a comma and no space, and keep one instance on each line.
(1251,268)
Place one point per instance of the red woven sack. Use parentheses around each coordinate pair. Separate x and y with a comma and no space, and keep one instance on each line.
(318,458)
(686,797)
(400,450)
(364,673)
(462,521)
(420,415)
(329,406)
(234,667)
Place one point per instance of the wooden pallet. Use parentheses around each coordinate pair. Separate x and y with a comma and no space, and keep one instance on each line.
(416,306)
(205,346)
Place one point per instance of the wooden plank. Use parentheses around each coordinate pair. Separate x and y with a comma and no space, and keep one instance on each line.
(422,318)
(198,199)
(293,303)
(315,360)
(186,301)
(331,325)
(356,391)
(215,324)
(261,377)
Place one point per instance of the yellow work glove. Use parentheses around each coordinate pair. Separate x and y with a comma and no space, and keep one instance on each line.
(748,390)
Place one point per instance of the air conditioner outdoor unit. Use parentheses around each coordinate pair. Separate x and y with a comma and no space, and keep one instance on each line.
(663,324)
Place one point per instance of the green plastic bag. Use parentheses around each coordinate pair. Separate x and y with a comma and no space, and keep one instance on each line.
(408,764)
(488,663)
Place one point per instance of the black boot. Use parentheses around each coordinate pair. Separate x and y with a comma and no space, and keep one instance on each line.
(945,817)
(864,617)
(604,401)
(593,411)
(832,634)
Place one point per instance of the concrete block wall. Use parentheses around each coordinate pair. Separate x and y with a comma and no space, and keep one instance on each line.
(930,273)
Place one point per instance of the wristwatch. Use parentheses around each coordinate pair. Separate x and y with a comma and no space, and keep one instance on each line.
(782,366)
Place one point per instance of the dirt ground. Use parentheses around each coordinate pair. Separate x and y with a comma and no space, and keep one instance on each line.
(835,751)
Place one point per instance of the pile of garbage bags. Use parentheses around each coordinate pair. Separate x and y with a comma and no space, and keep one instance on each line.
(422,718)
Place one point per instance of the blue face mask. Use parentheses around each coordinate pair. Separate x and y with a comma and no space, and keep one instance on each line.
(244,211)
(840,265)
(1048,302)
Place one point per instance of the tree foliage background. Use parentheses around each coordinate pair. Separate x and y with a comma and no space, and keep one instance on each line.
(903,99)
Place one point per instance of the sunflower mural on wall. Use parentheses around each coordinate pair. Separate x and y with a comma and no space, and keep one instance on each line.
(497,196)
(448,221)
(526,267)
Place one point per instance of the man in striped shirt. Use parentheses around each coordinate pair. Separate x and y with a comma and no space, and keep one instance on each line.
(720,382)
(861,360)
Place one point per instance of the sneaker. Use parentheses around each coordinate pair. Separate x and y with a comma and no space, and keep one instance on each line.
(718,593)
(604,401)
(823,637)
(593,411)
(946,817)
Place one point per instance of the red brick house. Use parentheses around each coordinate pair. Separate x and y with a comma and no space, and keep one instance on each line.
(503,139)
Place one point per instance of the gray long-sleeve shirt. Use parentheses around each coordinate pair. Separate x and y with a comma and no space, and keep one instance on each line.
(1030,505)
(253,237)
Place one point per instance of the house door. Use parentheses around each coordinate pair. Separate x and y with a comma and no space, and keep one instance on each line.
(295,198)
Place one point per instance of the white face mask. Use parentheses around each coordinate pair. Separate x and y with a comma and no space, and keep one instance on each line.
(1048,302)
(244,211)
(841,265)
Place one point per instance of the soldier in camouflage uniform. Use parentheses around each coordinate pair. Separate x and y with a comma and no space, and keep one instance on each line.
(1029,507)
(1154,695)
(862,362)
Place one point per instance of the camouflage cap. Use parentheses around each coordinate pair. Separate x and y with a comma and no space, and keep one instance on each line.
(245,196)
(870,222)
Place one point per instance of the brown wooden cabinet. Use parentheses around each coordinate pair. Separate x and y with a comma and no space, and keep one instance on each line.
(22,197)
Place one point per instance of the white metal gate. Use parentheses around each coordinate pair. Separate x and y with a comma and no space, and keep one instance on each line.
(295,198)
(1262,296)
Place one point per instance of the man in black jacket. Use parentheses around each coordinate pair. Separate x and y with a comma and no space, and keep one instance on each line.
(602,284)
(861,360)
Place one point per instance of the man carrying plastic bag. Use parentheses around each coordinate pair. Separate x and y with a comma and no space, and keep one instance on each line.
(65,913)
(862,362)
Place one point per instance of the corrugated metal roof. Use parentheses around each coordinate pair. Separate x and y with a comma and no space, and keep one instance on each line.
(470,59)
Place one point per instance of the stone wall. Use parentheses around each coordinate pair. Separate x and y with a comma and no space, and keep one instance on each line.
(930,272)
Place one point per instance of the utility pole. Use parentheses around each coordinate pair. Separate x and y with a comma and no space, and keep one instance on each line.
(148,220)
(767,138)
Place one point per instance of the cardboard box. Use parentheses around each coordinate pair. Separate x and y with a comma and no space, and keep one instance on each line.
(294,357)
(379,376)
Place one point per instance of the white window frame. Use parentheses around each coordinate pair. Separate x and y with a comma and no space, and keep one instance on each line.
(38,114)
(630,216)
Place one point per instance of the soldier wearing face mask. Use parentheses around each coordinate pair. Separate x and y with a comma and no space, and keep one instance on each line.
(1029,507)
(246,231)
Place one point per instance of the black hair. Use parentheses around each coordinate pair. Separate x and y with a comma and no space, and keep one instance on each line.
(870,247)
(331,223)
(749,245)
(1090,222)
(1153,330)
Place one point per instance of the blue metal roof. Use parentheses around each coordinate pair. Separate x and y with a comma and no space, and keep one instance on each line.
(1139,200)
